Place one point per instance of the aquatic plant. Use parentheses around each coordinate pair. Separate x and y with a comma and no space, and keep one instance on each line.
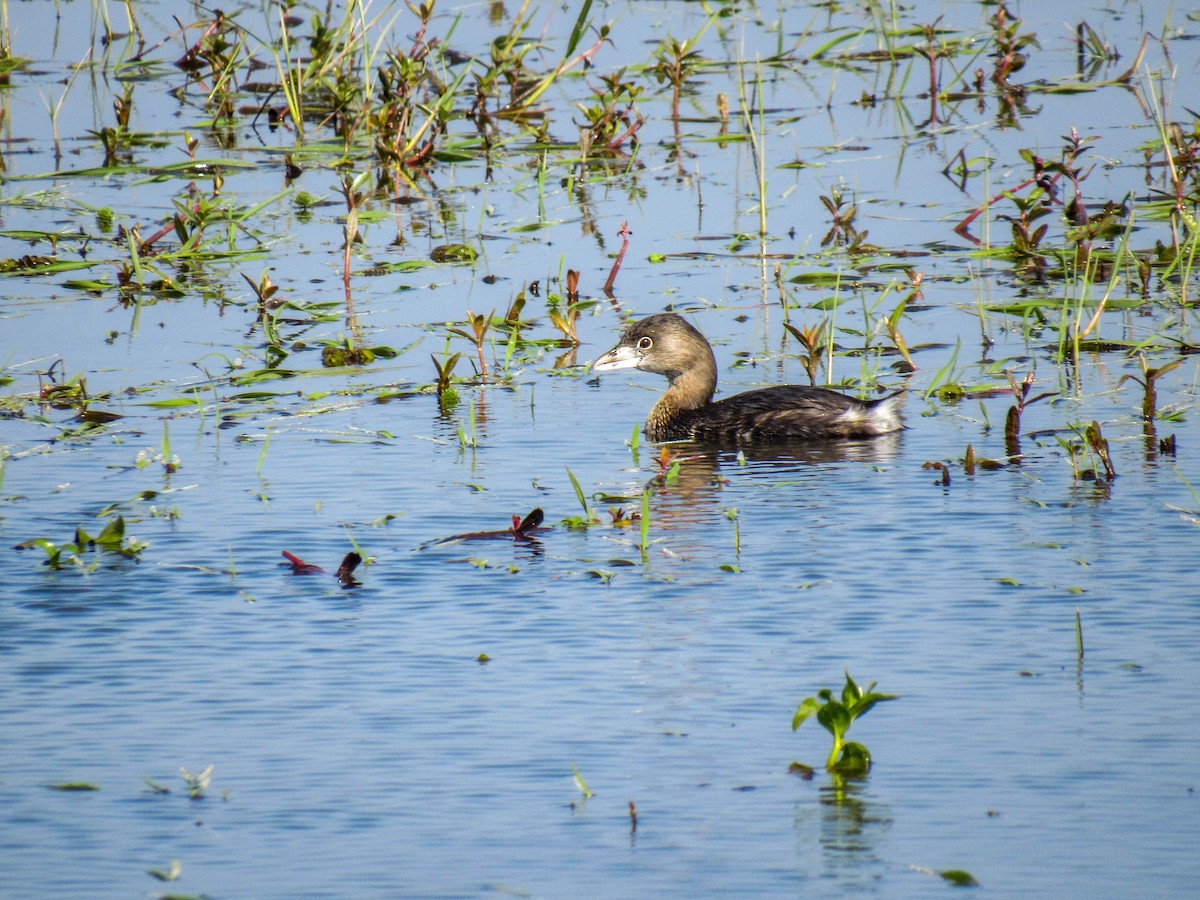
(1098,444)
(587,792)
(171,873)
(732,515)
(841,230)
(675,62)
(480,325)
(1088,439)
(644,525)
(612,119)
(1012,419)
(197,785)
(111,539)
(345,570)
(623,233)
(813,339)
(1148,381)
(467,438)
(264,294)
(836,716)
(892,321)
(508,54)
(565,321)
(526,527)
(669,466)
(955,877)
(589,516)
(447,396)
(354,190)
(941,467)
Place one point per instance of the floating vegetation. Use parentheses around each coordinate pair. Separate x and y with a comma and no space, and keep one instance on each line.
(581,785)
(170,873)
(111,539)
(198,784)
(344,574)
(846,758)
(956,877)
(524,529)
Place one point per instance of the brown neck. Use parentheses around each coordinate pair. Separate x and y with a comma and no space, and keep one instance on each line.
(690,391)
(693,388)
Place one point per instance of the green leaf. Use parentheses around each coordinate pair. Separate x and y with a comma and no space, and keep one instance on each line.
(831,302)
(868,700)
(582,785)
(168,404)
(454,253)
(835,717)
(587,510)
(155,787)
(577,31)
(803,711)
(850,693)
(405,266)
(959,878)
(855,760)
(43,265)
(262,375)
(171,873)
(40,543)
(822,279)
(113,533)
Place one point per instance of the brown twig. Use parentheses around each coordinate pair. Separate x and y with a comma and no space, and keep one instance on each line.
(961,227)
(616,267)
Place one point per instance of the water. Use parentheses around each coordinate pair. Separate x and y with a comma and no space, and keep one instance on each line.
(360,746)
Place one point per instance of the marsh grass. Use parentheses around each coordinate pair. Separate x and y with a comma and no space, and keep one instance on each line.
(382,97)
(589,516)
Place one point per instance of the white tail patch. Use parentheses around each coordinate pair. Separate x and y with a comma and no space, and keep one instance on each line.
(878,419)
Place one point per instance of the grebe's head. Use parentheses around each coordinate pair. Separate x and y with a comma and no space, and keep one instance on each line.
(665,344)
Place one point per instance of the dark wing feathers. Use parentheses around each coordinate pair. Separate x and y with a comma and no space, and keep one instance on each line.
(789,411)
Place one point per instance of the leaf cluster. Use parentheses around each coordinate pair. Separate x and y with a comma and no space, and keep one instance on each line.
(111,539)
(836,716)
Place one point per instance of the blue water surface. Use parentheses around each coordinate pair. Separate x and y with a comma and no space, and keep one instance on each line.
(420,734)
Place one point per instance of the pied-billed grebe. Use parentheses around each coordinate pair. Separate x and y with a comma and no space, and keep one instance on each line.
(668,345)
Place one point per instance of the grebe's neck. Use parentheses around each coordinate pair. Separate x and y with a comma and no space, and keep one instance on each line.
(689,390)
(692,387)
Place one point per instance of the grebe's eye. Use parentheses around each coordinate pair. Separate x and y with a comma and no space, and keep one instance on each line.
(645,343)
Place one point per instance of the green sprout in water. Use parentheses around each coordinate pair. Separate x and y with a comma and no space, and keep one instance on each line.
(587,792)
(589,517)
(846,757)
(197,785)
